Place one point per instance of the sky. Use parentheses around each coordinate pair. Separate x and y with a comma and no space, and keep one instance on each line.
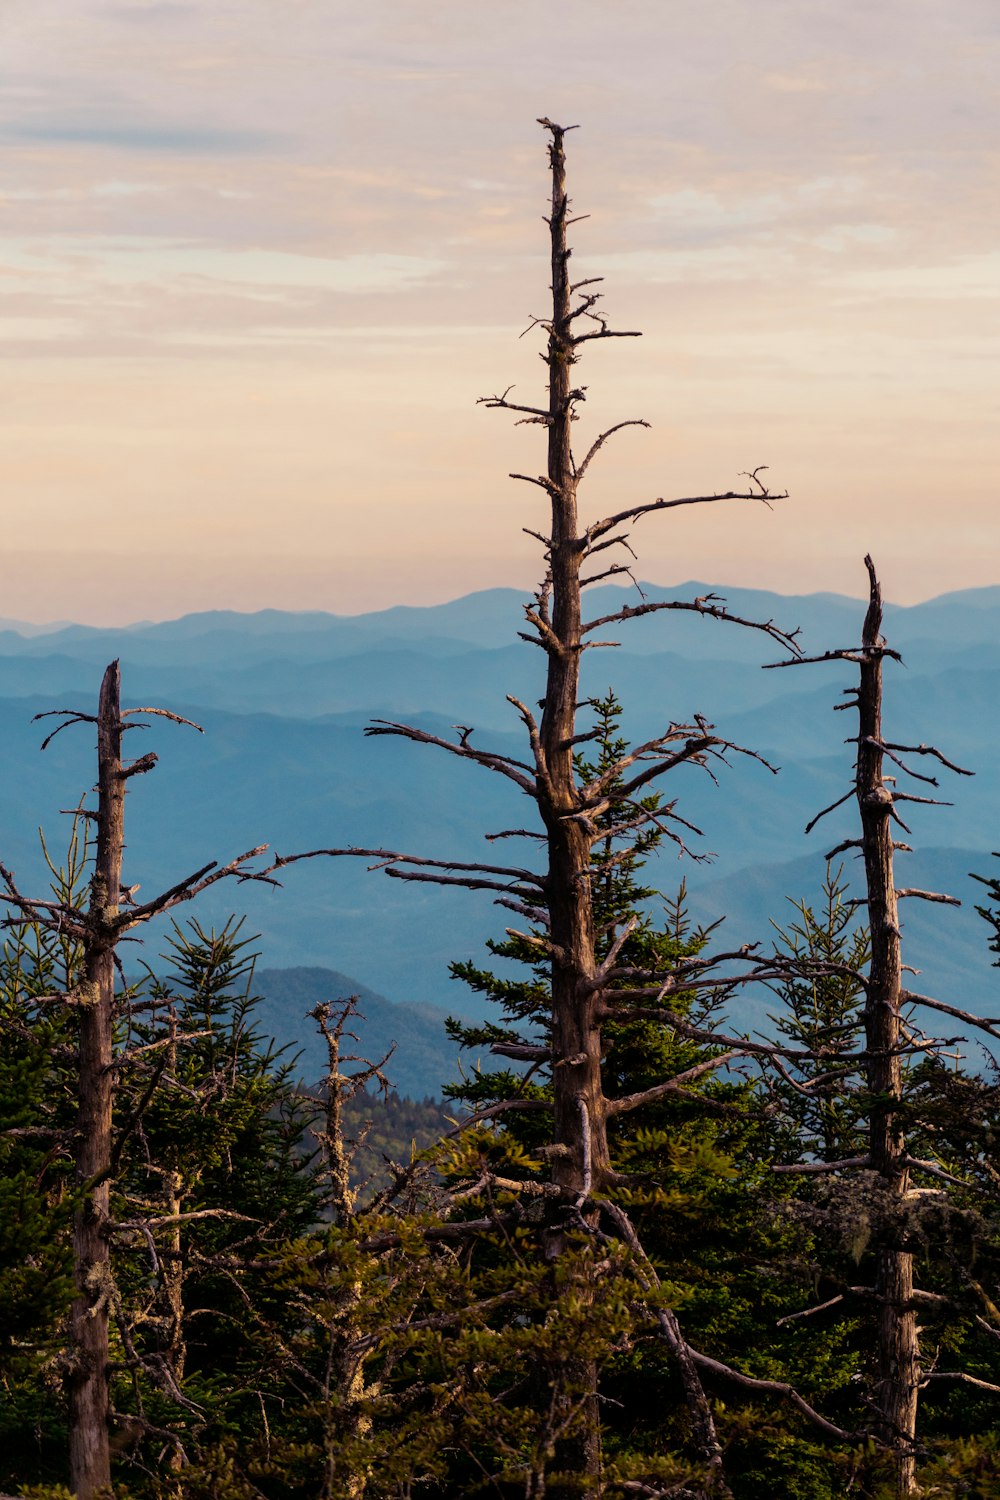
(258,260)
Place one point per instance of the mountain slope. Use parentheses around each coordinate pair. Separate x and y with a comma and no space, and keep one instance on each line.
(284,699)
(422,1056)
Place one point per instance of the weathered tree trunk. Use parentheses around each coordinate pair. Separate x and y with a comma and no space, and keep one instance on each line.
(898,1368)
(559,903)
(579,1100)
(98,930)
(87,1379)
(346,1387)
(579,1123)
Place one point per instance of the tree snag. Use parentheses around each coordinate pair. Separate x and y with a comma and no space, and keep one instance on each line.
(98,1060)
(898,1371)
(889,1038)
(87,1377)
(559,902)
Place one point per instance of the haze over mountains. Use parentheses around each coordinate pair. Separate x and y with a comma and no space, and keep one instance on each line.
(284,699)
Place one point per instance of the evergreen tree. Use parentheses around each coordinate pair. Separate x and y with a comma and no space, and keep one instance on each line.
(212,1178)
(692,1171)
(637,1052)
(217,1176)
(37,1194)
(822,998)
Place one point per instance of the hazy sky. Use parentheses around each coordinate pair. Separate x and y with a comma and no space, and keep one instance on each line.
(259,257)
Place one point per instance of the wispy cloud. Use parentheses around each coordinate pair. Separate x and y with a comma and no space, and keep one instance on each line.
(257,259)
(135,260)
(169,139)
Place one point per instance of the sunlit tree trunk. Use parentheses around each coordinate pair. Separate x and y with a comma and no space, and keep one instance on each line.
(87,1379)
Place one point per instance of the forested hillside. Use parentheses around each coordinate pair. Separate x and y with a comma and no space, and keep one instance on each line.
(719,1221)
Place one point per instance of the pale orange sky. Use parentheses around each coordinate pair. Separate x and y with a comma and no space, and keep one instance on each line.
(258,259)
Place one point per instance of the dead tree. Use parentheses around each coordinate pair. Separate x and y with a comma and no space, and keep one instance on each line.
(345,1377)
(898,1376)
(557,901)
(110,915)
(891,1038)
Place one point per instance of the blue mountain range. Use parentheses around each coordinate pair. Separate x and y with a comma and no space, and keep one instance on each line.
(284,699)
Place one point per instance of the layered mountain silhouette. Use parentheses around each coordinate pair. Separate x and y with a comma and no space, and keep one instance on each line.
(284,699)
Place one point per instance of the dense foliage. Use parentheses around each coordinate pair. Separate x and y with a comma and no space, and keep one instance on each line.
(300,1310)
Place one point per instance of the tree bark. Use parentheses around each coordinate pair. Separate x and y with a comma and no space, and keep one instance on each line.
(578,1097)
(576,1041)
(87,1380)
(898,1361)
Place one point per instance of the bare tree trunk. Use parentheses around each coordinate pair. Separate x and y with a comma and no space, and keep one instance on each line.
(898,1367)
(578,1095)
(559,903)
(346,1387)
(579,1124)
(98,930)
(87,1380)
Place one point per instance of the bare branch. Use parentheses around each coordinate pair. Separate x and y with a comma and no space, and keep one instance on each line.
(877,744)
(674,1085)
(707,604)
(163,713)
(495,403)
(515,833)
(601,528)
(990,1024)
(810,1312)
(68,715)
(924,801)
(538,479)
(777,1388)
(928,896)
(388,857)
(853,654)
(603,333)
(832,808)
(599,442)
(505,765)
(468,883)
(933,1170)
(960,1375)
(616,947)
(842,848)
(521,1051)
(928,750)
(536,914)
(190,887)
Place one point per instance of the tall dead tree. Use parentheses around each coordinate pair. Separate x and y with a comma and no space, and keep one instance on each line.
(557,901)
(898,1377)
(98,1008)
(891,1037)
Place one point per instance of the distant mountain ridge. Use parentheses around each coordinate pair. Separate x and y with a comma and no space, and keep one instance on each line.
(284,699)
(272,618)
(411,1039)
